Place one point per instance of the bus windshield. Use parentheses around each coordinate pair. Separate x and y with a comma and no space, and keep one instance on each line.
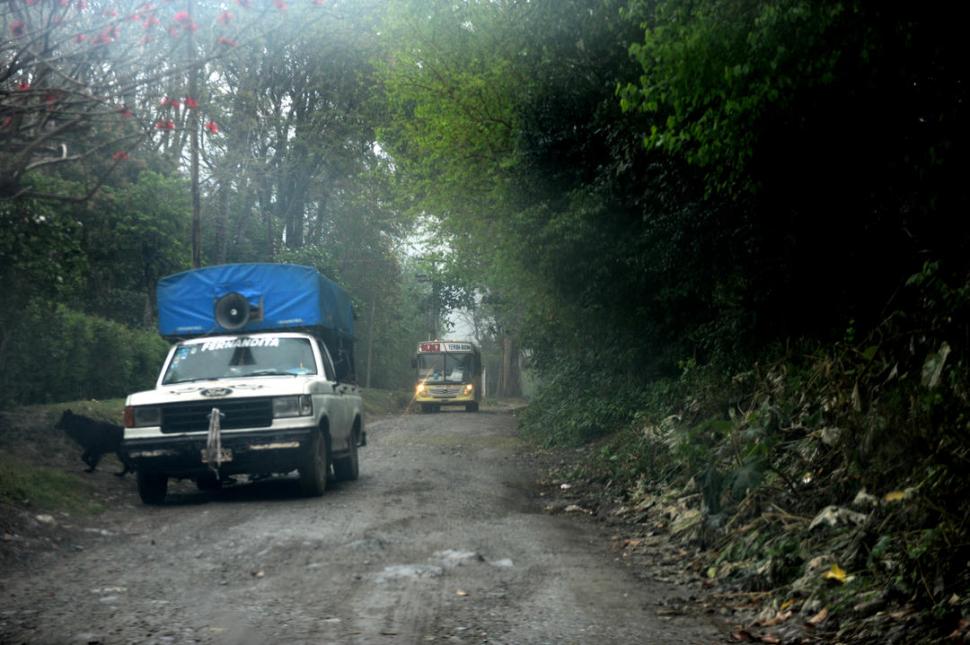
(445,368)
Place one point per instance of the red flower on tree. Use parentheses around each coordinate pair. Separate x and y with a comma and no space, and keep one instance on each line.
(125,112)
(23,86)
(191,103)
(165,124)
(18,28)
(107,36)
(280,4)
(120,155)
(182,17)
(212,127)
(225,18)
(228,42)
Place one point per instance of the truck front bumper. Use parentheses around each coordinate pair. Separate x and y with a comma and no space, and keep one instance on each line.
(252,452)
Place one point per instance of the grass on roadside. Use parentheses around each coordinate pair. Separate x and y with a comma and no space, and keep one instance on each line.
(383,402)
(42,488)
(37,460)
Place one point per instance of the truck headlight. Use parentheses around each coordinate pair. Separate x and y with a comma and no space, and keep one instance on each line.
(292,406)
(142,415)
(422,388)
(469,388)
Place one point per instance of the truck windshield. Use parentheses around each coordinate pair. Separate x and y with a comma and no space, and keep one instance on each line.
(241,356)
(445,368)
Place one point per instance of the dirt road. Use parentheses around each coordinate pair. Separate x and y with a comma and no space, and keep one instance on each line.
(443,539)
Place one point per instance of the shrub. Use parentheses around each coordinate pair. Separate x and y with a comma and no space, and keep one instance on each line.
(56,354)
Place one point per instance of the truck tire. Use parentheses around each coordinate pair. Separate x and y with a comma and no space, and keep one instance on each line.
(471,407)
(152,487)
(316,466)
(346,469)
(427,408)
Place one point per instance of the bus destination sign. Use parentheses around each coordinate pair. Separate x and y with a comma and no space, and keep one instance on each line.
(444,347)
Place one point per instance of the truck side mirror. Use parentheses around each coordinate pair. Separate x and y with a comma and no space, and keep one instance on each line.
(414,363)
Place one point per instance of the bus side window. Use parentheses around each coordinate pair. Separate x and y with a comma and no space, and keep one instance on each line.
(327,363)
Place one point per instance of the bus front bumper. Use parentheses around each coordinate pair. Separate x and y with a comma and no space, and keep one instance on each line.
(445,396)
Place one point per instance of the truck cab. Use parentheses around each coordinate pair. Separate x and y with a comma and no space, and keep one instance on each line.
(269,398)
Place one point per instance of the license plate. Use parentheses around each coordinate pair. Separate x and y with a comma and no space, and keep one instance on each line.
(226,456)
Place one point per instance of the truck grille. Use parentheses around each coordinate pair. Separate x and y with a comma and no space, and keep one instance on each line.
(239,413)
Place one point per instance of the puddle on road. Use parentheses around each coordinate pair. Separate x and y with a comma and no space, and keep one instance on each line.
(444,560)
(405,571)
(454,558)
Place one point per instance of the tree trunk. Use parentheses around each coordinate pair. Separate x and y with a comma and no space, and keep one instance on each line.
(222,222)
(510,382)
(192,119)
(370,340)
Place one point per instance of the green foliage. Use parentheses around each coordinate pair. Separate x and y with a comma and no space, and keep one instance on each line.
(66,355)
(575,406)
(715,71)
(810,426)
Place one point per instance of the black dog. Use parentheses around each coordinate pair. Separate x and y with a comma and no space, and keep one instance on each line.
(96,437)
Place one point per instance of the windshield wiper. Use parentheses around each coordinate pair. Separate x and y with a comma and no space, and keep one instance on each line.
(270,373)
(191,380)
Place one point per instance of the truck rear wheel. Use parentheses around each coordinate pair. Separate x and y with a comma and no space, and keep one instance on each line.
(346,469)
(152,487)
(316,467)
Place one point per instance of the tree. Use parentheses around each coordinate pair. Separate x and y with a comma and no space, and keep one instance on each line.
(84,82)
(830,127)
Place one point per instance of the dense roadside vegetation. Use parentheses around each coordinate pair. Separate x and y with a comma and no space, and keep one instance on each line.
(94,212)
(728,238)
(730,235)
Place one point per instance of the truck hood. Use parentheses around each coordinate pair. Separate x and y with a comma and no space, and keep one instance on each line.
(221,389)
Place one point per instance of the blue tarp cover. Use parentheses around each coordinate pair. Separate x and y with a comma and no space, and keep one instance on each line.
(292,297)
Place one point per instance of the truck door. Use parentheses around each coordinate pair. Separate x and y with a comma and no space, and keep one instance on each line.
(340,403)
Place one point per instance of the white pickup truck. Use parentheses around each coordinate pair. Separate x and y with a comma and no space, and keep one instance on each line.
(255,403)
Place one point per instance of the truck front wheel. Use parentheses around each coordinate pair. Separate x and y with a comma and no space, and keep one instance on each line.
(346,469)
(152,487)
(316,467)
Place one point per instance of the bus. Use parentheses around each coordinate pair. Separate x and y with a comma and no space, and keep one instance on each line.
(449,372)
